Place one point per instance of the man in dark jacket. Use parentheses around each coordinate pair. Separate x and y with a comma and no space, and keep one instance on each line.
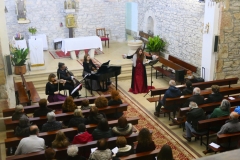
(43,110)
(193,116)
(172,92)
(52,124)
(196,97)
(215,96)
(189,88)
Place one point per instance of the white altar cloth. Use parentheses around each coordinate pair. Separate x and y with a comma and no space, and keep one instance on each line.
(44,40)
(81,43)
(20,44)
(36,51)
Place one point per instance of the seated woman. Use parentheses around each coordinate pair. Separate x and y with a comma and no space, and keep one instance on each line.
(72,152)
(102,131)
(60,141)
(94,117)
(215,96)
(165,153)
(88,68)
(77,118)
(101,102)
(50,154)
(68,105)
(19,112)
(189,89)
(22,130)
(102,152)
(124,128)
(85,104)
(123,148)
(115,100)
(53,88)
(145,142)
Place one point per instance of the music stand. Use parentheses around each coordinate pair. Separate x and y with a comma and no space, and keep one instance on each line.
(151,63)
(76,88)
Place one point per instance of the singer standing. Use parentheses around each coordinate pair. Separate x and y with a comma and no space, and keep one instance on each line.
(139,76)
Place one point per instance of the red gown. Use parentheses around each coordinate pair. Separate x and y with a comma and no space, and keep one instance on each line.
(139,85)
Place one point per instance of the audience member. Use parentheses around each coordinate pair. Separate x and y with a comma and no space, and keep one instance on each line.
(85,104)
(68,105)
(172,92)
(188,89)
(222,110)
(123,148)
(51,124)
(124,128)
(115,100)
(50,154)
(19,112)
(196,97)
(215,96)
(231,126)
(101,102)
(77,118)
(102,131)
(32,143)
(22,130)
(165,153)
(83,136)
(60,141)
(94,116)
(102,152)
(193,116)
(43,109)
(72,152)
(145,142)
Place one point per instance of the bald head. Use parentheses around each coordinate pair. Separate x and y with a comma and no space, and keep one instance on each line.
(196,91)
(172,83)
(234,115)
(34,130)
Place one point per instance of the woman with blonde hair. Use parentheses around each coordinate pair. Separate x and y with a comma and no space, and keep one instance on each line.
(60,141)
(77,118)
(68,105)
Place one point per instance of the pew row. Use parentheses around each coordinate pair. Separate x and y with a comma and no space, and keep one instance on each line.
(142,156)
(182,63)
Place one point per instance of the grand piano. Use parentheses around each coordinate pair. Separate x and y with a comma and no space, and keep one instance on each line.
(104,73)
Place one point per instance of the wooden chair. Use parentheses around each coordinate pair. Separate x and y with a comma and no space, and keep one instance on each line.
(101,32)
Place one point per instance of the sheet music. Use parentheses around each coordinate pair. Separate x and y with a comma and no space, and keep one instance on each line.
(214,145)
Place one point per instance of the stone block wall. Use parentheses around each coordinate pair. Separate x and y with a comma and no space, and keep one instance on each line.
(179,22)
(228,60)
(46,16)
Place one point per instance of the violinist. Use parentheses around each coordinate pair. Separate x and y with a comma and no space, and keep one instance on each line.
(89,68)
(52,89)
(63,73)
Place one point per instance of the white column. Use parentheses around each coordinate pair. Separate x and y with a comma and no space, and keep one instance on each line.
(211,16)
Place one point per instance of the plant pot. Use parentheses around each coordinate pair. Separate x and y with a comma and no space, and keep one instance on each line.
(155,53)
(20,69)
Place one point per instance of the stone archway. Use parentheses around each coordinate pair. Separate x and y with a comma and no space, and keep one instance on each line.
(150,22)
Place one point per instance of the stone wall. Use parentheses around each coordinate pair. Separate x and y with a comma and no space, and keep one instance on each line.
(46,16)
(229,47)
(179,22)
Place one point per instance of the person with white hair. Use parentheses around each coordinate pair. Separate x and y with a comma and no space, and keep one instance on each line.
(19,112)
(51,124)
(172,92)
(196,97)
(72,152)
(193,116)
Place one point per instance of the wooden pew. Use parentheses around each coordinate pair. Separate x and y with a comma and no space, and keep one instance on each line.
(16,91)
(69,132)
(142,156)
(62,154)
(55,105)
(182,63)
(66,116)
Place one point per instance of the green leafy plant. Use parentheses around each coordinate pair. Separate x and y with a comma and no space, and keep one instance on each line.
(19,56)
(32,30)
(155,44)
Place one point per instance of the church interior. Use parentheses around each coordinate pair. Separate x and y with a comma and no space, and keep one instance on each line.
(201,35)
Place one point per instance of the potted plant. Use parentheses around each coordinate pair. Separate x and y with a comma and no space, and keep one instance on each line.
(18,58)
(32,30)
(155,45)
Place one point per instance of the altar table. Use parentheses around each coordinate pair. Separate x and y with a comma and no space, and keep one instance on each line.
(22,44)
(43,38)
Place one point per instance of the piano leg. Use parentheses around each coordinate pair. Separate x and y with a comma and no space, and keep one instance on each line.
(116,81)
(91,85)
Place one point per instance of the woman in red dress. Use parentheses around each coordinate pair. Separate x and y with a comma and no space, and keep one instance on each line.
(139,76)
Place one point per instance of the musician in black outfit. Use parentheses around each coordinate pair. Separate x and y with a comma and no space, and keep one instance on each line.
(63,73)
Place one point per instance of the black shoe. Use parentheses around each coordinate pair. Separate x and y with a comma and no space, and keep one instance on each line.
(187,138)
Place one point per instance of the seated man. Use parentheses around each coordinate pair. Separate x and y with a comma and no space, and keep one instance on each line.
(43,109)
(19,112)
(172,92)
(193,116)
(83,136)
(231,126)
(215,96)
(32,143)
(196,97)
(51,124)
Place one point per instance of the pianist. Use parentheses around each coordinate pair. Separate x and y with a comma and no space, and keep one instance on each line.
(90,67)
